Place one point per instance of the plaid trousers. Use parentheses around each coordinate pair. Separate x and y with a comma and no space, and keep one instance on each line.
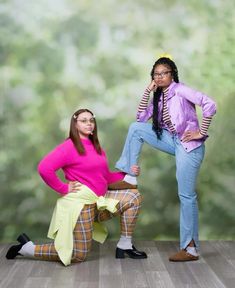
(128,208)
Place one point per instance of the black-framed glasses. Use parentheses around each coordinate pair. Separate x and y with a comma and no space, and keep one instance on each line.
(162,74)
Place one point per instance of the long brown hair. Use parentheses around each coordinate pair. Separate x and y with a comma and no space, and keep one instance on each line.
(74,135)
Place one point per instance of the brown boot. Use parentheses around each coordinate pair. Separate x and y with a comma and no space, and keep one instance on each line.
(120,185)
(183,256)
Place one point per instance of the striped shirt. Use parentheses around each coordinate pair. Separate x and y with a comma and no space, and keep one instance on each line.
(166,118)
(206,121)
(144,102)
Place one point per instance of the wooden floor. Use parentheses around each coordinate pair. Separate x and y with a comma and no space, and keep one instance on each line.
(216,268)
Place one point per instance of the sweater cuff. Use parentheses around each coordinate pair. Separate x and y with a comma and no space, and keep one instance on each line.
(63,189)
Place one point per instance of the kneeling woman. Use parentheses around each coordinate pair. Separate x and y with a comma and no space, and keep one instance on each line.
(85,198)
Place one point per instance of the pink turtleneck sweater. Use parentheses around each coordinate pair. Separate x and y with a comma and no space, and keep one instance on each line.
(90,169)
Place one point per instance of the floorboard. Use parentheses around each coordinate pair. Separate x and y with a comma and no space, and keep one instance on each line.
(214,269)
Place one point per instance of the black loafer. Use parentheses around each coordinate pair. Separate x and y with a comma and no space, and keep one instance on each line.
(13,251)
(132,253)
(133,247)
(23,238)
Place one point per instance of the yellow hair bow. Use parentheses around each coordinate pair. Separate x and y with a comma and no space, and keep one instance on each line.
(166,55)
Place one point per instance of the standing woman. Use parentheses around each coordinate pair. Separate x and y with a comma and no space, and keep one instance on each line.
(175,130)
(85,167)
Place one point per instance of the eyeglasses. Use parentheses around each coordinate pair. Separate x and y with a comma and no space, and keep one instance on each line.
(162,74)
(86,121)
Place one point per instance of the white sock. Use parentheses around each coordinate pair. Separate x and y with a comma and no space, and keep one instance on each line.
(130,179)
(192,251)
(27,249)
(125,242)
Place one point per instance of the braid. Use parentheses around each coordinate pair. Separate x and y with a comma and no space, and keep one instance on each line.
(156,125)
(157,94)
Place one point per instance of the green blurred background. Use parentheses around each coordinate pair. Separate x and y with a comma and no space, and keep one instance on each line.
(60,55)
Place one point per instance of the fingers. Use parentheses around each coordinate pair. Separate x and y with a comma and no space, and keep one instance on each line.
(155,86)
(191,135)
(135,169)
(74,186)
(186,136)
(152,86)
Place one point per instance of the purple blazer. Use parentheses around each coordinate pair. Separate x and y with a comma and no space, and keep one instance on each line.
(181,103)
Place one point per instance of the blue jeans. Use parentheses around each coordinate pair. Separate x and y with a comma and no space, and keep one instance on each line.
(187,168)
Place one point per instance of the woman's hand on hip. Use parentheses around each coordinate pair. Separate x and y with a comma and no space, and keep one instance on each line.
(191,135)
(74,186)
(135,169)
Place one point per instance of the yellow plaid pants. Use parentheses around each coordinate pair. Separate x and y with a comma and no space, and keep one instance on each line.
(128,208)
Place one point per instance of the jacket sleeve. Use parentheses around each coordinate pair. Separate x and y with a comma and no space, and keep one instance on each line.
(48,166)
(198,98)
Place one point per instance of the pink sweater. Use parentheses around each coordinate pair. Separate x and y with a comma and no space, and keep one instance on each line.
(90,169)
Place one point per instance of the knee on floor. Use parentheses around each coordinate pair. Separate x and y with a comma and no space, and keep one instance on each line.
(80,256)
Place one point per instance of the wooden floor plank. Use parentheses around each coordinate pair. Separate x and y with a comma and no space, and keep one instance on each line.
(155,269)
(225,248)
(160,279)
(180,274)
(110,267)
(232,262)
(6,265)
(88,271)
(40,270)
(134,277)
(17,274)
(133,274)
(37,282)
(87,284)
(108,263)
(215,256)
(215,269)
(204,275)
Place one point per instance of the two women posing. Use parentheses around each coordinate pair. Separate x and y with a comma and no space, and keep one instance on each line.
(174,130)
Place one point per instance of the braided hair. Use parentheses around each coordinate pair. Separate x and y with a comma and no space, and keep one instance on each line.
(156,95)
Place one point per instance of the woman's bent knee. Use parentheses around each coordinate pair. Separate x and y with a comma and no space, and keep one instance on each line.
(134,126)
(137,198)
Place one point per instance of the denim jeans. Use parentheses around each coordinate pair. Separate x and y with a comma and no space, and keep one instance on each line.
(187,168)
